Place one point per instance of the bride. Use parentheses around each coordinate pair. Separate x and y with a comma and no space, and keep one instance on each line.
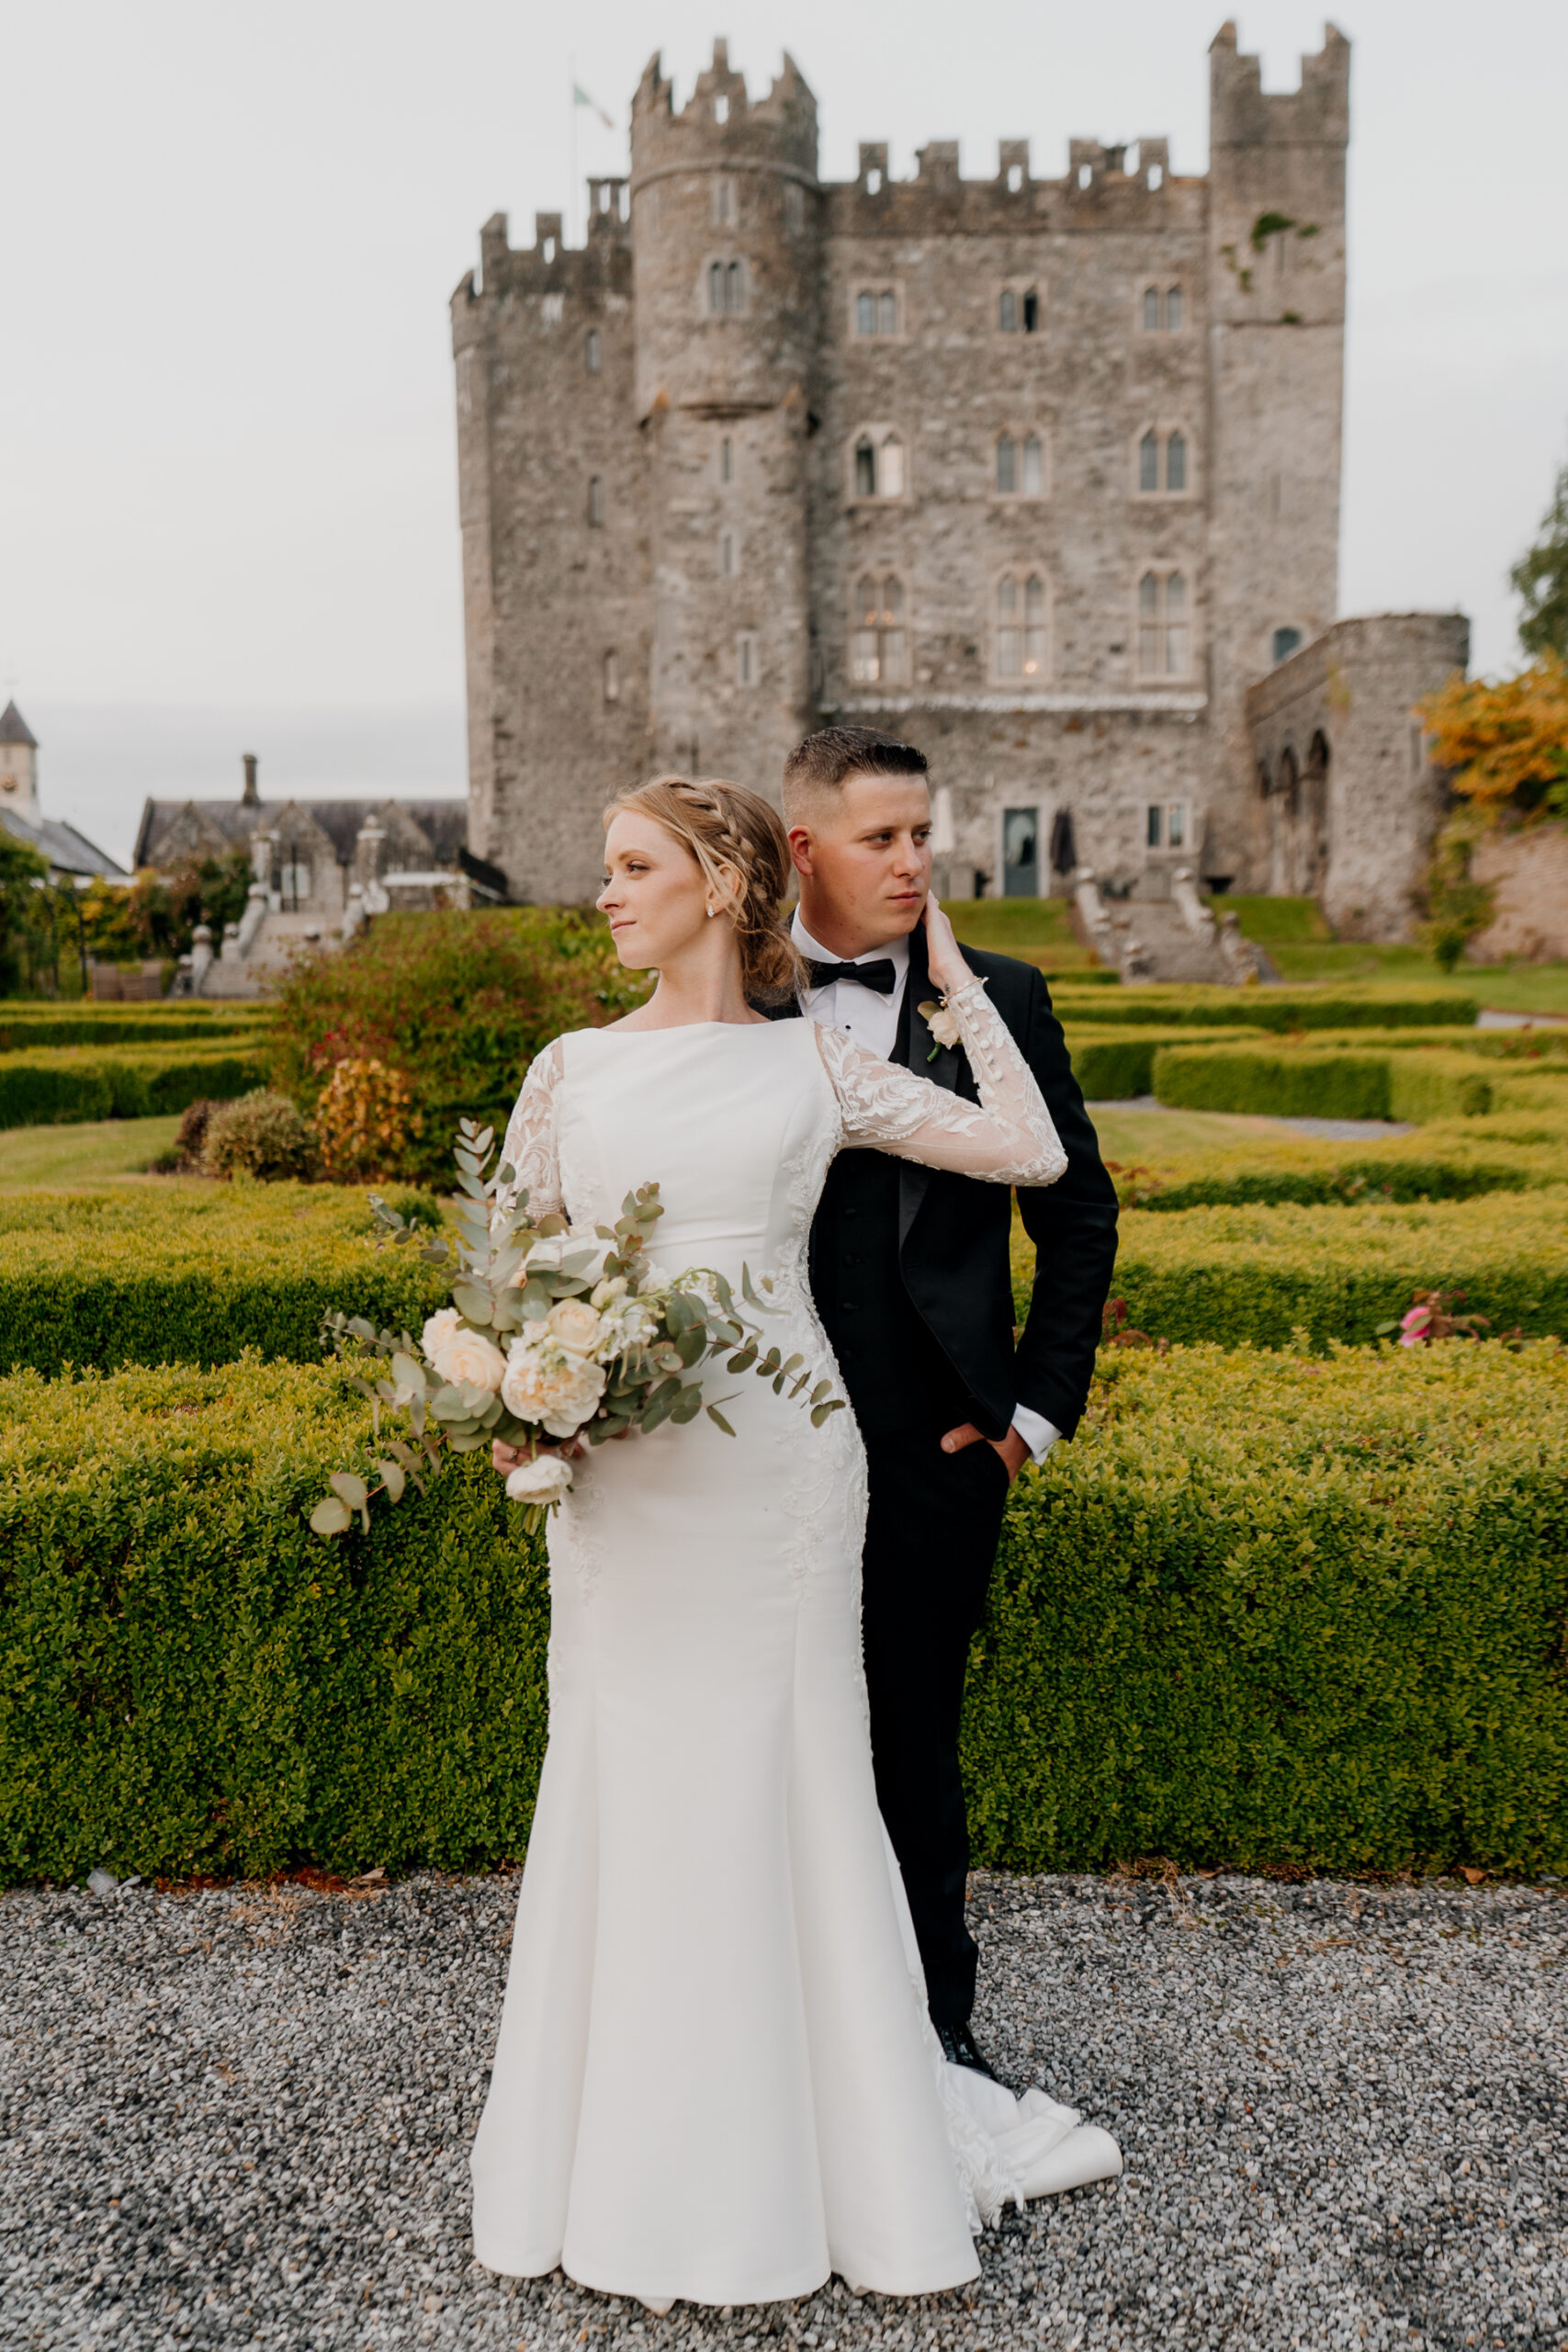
(716,2078)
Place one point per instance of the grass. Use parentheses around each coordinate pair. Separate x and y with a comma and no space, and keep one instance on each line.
(100,1150)
(1139,1138)
(1038,930)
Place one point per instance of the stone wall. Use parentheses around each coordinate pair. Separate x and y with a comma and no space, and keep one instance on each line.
(1347,798)
(1529,871)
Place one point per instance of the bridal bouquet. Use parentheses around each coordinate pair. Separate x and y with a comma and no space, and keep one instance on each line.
(554,1331)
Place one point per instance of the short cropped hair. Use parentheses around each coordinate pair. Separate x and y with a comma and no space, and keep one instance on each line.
(824,760)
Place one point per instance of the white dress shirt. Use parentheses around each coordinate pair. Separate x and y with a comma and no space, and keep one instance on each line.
(873,1022)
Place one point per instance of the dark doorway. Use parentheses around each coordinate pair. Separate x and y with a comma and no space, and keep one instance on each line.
(1020,854)
(1064,848)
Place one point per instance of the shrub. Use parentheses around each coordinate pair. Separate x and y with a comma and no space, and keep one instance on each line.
(1268,1008)
(461,1004)
(194,1273)
(1302,1082)
(365,1121)
(418,1208)
(1112,1064)
(261,1134)
(23,1026)
(1442,1164)
(1257,1274)
(1263,1612)
(66,1086)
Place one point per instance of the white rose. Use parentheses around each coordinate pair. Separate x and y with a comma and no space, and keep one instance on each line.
(441,1328)
(575,1391)
(543,1480)
(543,1384)
(942,1024)
(605,1294)
(470,1360)
(575,1325)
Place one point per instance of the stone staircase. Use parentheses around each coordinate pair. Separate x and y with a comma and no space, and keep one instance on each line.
(1176,938)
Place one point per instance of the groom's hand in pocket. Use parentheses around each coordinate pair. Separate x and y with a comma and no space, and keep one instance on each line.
(1012,1450)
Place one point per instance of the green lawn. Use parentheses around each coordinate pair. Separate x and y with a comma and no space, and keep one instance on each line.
(1038,930)
(1137,1138)
(99,1150)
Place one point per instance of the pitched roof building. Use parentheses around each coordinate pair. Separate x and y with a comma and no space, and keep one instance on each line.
(71,856)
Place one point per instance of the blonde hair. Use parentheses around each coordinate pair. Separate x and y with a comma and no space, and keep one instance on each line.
(741,847)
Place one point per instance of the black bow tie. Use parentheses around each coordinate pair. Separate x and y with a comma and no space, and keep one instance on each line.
(880,973)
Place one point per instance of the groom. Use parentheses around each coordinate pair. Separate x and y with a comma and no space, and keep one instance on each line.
(910,1276)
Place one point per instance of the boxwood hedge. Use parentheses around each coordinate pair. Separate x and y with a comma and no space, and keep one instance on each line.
(1256,1275)
(193,1273)
(24,1025)
(72,1084)
(1372,1081)
(1265,1611)
(1267,1008)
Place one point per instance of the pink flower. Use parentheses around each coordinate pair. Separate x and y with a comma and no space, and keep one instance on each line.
(1412,1327)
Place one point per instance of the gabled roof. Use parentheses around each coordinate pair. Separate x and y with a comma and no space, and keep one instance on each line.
(67,851)
(14,727)
(445,822)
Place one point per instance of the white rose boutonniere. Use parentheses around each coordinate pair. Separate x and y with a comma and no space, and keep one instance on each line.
(942,1024)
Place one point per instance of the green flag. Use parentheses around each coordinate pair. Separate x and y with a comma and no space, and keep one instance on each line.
(579,98)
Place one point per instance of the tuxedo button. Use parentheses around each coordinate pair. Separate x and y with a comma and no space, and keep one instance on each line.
(851,1212)
(848,1306)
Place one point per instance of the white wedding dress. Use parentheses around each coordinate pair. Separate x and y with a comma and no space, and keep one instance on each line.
(714,2077)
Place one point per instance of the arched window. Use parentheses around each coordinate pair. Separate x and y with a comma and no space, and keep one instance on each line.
(1176,462)
(877,655)
(732,289)
(727,460)
(591,351)
(865,314)
(876,311)
(1173,310)
(1286,641)
(1162,310)
(1148,461)
(890,468)
(888,311)
(879,463)
(1030,313)
(1151,308)
(727,289)
(1006,465)
(1163,463)
(716,288)
(1163,630)
(1033,466)
(595,501)
(728,563)
(866,468)
(1007,311)
(612,677)
(1020,627)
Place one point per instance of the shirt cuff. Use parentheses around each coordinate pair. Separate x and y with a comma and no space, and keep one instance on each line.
(1038,1434)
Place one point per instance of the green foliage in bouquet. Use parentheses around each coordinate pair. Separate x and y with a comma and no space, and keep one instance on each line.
(554,1331)
(460,1003)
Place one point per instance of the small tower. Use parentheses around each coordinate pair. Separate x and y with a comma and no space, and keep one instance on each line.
(18,764)
(725,255)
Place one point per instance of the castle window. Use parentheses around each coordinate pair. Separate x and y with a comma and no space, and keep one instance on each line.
(1162,310)
(1030,313)
(1033,466)
(1020,627)
(1020,466)
(1162,625)
(726,290)
(1173,310)
(877,655)
(724,203)
(611,678)
(1007,311)
(1164,824)
(747,667)
(727,460)
(876,311)
(873,182)
(1151,323)
(551,309)
(727,563)
(793,208)
(1006,467)
(721,109)
(595,501)
(1018,311)
(1015,179)
(1286,641)
(591,351)
(879,463)
(293,880)
(1163,463)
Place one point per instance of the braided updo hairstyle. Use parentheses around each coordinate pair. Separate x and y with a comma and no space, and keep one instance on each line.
(741,847)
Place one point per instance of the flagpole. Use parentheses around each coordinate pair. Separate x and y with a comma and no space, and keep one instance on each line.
(572,146)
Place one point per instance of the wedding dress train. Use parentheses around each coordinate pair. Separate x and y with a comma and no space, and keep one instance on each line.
(715,2079)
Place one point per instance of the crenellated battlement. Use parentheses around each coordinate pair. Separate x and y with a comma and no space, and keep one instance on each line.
(721,127)
(1113,187)
(1241,114)
(549,266)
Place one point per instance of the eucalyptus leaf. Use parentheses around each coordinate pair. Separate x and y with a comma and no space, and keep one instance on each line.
(687,1406)
(472,1303)
(715,1415)
(407,1372)
(394,1479)
(331,1516)
(350,1488)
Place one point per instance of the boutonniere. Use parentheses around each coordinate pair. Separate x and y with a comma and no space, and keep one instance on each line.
(942,1024)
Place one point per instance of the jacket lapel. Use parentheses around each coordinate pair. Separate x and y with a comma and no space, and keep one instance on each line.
(911,1048)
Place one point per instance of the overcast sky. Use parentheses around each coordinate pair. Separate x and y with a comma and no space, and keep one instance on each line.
(225,436)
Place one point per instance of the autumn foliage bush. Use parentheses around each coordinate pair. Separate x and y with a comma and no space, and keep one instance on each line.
(458,1004)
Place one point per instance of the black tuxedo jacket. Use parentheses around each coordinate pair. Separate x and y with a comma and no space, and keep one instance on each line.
(953,1231)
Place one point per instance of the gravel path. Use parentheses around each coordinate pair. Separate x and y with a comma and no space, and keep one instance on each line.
(242,2117)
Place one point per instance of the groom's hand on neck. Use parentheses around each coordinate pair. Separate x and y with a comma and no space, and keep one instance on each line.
(861,849)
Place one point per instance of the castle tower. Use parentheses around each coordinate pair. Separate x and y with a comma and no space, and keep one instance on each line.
(1277,356)
(18,764)
(726,245)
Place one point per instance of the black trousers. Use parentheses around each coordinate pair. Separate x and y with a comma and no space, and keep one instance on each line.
(931,1538)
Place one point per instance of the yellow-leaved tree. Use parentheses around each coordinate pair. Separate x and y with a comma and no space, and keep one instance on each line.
(1505,743)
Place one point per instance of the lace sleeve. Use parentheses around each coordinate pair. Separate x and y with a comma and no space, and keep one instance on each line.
(1008,1137)
(530,1144)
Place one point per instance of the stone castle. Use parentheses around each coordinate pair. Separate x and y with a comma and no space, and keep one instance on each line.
(1040,474)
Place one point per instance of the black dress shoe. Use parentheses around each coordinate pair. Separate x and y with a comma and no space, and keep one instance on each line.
(958,2047)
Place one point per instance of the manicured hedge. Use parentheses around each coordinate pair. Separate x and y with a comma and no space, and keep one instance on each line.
(1256,1275)
(195,1274)
(1302,1082)
(1268,1008)
(1262,1612)
(1457,1162)
(25,1026)
(1112,1064)
(72,1084)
